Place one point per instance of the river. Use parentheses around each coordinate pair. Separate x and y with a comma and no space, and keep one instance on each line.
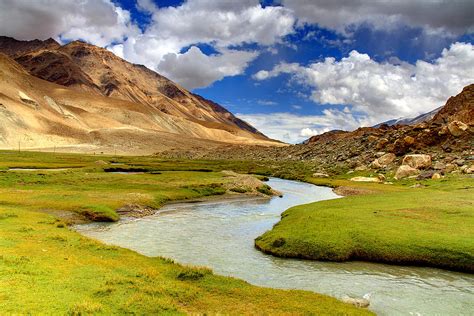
(220,235)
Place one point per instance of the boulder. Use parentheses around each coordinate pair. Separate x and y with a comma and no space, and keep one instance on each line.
(382,143)
(320,175)
(457,128)
(405,171)
(386,159)
(409,140)
(425,175)
(450,168)
(436,176)
(361,168)
(417,161)
(439,166)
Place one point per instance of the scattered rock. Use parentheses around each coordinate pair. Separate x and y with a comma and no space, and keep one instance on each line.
(405,171)
(382,143)
(409,140)
(372,138)
(457,128)
(439,166)
(436,176)
(417,185)
(425,175)
(417,161)
(385,159)
(320,175)
(450,168)
(361,168)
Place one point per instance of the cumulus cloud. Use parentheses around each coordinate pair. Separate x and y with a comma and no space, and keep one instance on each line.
(382,91)
(97,21)
(224,25)
(453,16)
(293,128)
(184,67)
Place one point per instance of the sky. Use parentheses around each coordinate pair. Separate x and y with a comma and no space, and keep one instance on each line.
(291,68)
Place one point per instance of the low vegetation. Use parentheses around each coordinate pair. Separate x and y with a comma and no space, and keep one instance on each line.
(429,225)
(46,268)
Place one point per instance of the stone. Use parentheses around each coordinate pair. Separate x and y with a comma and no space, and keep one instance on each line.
(361,168)
(405,171)
(366,179)
(358,302)
(381,177)
(450,168)
(436,176)
(320,175)
(439,166)
(379,154)
(443,131)
(372,138)
(459,162)
(457,128)
(409,140)
(386,159)
(425,175)
(469,170)
(382,143)
(417,161)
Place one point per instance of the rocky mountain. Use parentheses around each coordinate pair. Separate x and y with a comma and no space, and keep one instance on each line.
(80,97)
(92,69)
(447,139)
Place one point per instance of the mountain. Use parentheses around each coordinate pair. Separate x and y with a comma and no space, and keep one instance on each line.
(411,120)
(448,138)
(81,95)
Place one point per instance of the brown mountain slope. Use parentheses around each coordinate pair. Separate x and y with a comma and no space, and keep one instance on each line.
(89,68)
(38,114)
(448,138)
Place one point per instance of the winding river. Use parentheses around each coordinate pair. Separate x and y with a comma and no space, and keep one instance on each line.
(220,235)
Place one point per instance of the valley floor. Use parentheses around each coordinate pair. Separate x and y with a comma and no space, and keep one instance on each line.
(46,267)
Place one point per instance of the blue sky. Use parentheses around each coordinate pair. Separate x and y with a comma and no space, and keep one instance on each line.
(292,68)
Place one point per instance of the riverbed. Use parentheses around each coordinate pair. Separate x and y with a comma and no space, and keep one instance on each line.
(220,235)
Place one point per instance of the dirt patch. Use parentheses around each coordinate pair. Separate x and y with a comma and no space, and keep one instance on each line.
(136,210)
(346,191)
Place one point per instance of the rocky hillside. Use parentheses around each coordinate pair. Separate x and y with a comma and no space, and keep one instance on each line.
(447,139)
(91,69)
(38,114)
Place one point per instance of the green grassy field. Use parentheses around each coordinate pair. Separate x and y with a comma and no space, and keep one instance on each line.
(428,226)
(46,268)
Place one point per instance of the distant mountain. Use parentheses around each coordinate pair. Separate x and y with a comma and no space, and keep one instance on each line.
(413,120)
(87,89)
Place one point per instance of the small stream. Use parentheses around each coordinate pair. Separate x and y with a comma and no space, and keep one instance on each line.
(220,235)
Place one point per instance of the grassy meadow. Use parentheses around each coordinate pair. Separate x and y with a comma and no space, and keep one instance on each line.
(46,268)
(432,225)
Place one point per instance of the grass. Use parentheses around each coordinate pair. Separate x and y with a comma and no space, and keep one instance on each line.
(46,268)
(428,226)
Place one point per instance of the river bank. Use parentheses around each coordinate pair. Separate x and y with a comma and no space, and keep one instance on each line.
(429,225)
(220,235)
(46,268)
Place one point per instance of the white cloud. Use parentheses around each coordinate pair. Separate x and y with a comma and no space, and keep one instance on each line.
(184,67)
(453,16)
(293,128)
(97,21)
(382,91)
(266,102)
(221,24)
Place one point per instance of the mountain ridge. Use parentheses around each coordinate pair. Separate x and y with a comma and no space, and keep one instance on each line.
(88,68)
